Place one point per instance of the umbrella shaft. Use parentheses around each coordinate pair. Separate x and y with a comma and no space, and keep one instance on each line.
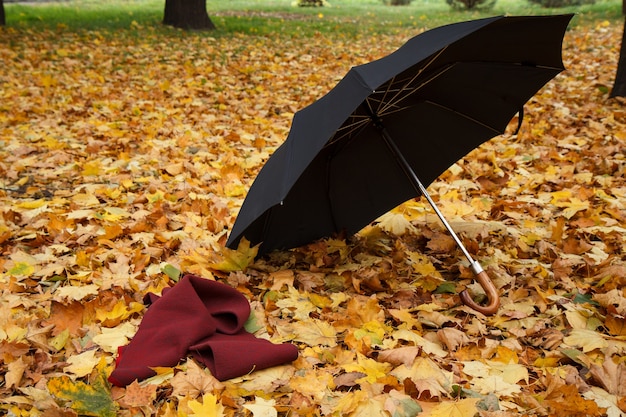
(417,184)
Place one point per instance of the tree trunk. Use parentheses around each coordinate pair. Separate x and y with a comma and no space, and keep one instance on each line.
(187,14)
(619,87)
(3,20)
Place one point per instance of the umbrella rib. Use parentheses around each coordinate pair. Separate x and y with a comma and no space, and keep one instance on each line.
(393,102)
(398,97)
(478,122)
(347,130)
(411,91)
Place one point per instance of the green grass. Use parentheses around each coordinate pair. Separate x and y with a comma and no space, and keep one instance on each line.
(267,17)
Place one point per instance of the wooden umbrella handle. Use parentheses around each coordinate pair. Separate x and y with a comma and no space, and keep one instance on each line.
(492,296)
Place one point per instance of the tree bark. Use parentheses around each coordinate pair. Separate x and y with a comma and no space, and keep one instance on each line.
(619,87)
(3,20)
(187,14)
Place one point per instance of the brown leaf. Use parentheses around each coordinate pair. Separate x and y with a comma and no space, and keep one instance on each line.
(402,355)
(575,245)
(195,381)
(348,379)
(453,338)
(134,395)
(611,375)
(66,316)
(441,243)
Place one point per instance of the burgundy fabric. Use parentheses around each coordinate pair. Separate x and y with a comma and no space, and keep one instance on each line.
(203,318)
(230,356)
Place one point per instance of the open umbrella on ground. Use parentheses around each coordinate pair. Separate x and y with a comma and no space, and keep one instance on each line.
(392,126)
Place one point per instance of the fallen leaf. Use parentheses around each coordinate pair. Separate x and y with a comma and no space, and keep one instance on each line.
(15,372)
(461,408)
(236,260)
(588,340)
(82,364)
(195,381)
(92,399)
(611,375)
(262,407)
(209,407)
(136,395)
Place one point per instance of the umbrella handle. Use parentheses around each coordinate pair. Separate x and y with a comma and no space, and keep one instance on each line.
(490,290)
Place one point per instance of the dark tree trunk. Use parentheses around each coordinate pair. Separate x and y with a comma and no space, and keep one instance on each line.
(619,87)
(3,20)
(187,14)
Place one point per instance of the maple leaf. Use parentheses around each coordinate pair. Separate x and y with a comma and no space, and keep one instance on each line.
(262,407)
(82,364)
(427,376)
(136,395)
(209,407)
(403,355)
(312,384)
(236,260)
(312,332)
(588,340)
(462,408)
(372,369)
(395,223)
(614,407)
(119,312)
(15,371)
(567,400)
(93,399)
(611,375)
(359,403)
(194,381)
(401,405)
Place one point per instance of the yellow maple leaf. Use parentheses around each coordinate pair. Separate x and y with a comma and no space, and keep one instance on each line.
(359,403)
(82,364)
(422,265)
(426,375)
(265,380)
(427,346)
(312,332)
(588,340)
(119,312)
(374,330)
(297,305)
(395,223)
(462,408)
(111,339)
(209,407)
(313,383)
(236,260)
(572,207)
(262,407)
(92,168)
(114,214)
(371,368)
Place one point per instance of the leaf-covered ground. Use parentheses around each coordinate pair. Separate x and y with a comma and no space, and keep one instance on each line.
(124,158)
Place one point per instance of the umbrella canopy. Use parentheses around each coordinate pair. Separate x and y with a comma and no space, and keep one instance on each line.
(440,95)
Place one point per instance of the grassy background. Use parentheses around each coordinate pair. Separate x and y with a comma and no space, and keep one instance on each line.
(267,17)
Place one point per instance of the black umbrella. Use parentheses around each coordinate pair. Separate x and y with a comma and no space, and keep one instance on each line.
(392,126)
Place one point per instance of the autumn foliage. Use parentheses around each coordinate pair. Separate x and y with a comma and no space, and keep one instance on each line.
(124,159)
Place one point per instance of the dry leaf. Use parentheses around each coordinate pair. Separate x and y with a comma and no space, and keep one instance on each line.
(195,381)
